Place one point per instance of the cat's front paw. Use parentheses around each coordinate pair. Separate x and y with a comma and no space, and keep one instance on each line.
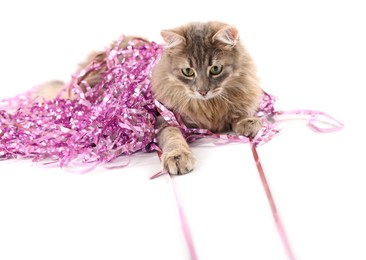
(248,127)
(179,161)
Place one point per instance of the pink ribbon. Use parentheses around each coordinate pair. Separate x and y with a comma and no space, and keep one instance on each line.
(183,220)
(276,216)
(314,120)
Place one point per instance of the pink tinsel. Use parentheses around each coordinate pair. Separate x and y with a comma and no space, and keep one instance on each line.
(94,127)
(115,117)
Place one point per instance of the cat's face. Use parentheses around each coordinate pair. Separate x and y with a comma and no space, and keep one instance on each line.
(202,74)
(201,59)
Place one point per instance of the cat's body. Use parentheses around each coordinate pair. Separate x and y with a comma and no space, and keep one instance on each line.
(208,78)
(232,94)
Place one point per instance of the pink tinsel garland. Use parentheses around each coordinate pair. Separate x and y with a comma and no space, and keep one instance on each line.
(94,127)
(115,117)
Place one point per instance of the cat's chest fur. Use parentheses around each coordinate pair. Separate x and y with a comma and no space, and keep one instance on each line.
(212,114)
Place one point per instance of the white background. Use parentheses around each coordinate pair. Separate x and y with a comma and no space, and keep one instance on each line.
(310,54)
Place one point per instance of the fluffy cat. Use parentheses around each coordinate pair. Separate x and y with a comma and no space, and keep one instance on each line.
(206,75)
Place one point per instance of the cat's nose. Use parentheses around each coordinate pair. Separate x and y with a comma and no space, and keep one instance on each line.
(203,92)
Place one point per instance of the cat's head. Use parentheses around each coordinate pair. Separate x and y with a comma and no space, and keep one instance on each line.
(200,61)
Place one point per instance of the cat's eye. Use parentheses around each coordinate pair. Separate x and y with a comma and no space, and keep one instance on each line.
(216,69)
(188,72)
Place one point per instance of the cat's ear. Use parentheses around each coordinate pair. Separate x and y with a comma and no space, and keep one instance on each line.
(228,36)
(172,38)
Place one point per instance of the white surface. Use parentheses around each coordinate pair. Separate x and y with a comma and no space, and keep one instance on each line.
(309,54)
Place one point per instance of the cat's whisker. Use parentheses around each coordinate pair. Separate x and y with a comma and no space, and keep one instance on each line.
(222,96)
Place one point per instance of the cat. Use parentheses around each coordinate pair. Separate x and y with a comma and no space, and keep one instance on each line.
(206,75)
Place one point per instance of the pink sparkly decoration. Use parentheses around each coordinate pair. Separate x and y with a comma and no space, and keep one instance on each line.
(115,117)
(97,126)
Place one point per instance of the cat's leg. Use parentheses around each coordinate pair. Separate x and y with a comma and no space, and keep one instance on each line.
(248,126)
(177,157)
